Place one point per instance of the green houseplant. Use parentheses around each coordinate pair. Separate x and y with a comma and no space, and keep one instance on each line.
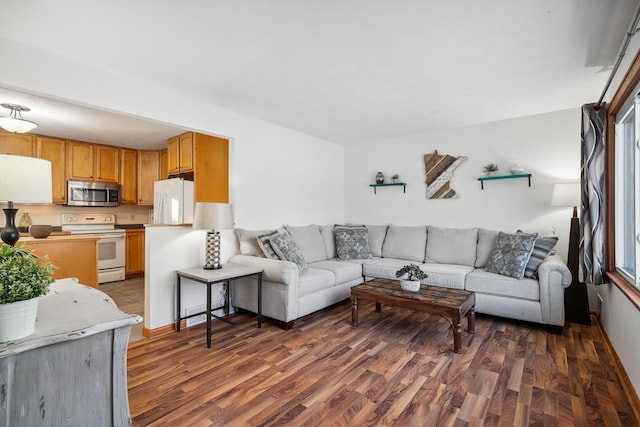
(23,278)
(490,169)
(411,275)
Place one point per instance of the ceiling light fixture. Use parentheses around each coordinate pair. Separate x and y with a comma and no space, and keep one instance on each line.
(14,121)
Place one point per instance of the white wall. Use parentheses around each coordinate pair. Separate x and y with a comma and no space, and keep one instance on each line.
(548,146)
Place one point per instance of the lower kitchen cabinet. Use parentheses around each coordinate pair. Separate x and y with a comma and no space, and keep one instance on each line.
(73,256)
(135,252)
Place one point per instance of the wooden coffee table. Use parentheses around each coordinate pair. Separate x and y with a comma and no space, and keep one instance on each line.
(446,302)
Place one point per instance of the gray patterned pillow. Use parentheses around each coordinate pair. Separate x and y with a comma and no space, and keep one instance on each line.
(511,254)
(352,242)
(287,250)
(541,250)
(264,241)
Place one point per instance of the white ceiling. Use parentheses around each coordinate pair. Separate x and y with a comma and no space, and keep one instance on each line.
(349,71)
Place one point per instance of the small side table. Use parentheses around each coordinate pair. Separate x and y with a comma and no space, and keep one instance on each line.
(225,275)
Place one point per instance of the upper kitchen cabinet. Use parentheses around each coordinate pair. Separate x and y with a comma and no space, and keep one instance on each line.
(54,150)
(128,176)
(92,162)
(180,153)
(19,144)
(164,164)
(148,173)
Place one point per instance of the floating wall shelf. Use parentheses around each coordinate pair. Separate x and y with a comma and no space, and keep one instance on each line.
(393,184)
(517,175)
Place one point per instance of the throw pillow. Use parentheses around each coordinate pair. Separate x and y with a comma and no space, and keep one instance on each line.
(264,241)
(541,250)
(352,242)
(248,240)
(511,254)
(287,250)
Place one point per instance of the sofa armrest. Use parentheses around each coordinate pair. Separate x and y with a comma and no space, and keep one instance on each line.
(553,276)
(274,270)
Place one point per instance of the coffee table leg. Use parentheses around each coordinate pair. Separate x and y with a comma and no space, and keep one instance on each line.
(354,311)
(471,320)
(457,333)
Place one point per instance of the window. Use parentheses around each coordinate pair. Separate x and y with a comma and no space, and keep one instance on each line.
(627,198)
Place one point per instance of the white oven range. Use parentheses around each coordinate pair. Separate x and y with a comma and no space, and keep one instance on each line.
(111,245)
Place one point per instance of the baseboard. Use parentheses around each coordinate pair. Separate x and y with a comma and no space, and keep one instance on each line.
(164,330)
(620,371)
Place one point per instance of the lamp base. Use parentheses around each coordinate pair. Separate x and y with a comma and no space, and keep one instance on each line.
(10,234)
(576,298)
(212,251)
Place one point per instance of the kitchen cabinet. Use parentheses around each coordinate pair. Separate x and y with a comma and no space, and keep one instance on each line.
(54,150)
(128,176)
(180,153)
(148,173)
(135,252)
(19,144)
(74,256)
(92,162)
(164,164)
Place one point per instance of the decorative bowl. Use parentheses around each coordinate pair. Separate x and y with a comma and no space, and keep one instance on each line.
(410,285)
(40,231)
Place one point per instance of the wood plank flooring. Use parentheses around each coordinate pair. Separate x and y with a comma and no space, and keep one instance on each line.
(396,368)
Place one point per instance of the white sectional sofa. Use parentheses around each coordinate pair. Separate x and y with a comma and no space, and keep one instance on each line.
(455,258)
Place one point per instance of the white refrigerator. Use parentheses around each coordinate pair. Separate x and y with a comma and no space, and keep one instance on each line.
(173,201)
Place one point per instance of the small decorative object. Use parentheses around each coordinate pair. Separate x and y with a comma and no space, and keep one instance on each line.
(379,178)
(23,278)
(515,169)
(411,276)
(395,178)
(24,223)
(490,169)
(438,173)
(40,231)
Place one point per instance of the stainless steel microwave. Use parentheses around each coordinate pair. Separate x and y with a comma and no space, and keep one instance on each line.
(98,194)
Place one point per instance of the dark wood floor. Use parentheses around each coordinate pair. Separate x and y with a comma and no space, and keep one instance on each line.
(395,368)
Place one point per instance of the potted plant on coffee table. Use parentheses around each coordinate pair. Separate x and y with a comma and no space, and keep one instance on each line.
(23,278)
(411,275)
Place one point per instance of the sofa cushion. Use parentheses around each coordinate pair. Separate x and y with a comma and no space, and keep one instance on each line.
(313,280)
(405,242)
(344,271)
(486,245)
(511,254)
(309,240)
(446,275)
(352,242)
(384,268)
(288,250)
(451,245)
(541,250)
(377,233)
(329,239)
(482,281)
(248,240)
(264,242)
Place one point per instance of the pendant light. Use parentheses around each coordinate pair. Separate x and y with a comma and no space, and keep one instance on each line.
(14,121)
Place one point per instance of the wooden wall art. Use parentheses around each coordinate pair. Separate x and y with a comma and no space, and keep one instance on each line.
(438,172)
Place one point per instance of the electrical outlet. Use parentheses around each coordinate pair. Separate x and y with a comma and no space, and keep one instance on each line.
(196,319)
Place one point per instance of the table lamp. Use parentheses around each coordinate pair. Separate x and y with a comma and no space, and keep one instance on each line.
(22,180)
(213,217)
(576,299)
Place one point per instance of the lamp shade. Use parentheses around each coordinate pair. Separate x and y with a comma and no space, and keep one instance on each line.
(24,179)
(213,216)
(566,194)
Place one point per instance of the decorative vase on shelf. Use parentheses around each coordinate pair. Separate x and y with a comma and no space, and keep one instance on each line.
(379,178)
(24,223)
(515,169)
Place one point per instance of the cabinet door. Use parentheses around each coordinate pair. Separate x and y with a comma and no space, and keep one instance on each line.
(80,160)
(211,174)
(19,144)
(73,256)
(129,176)
(54,150)
(186,152)
(164,165)
(135,252)
(173,155)
(148,165)
(107,163)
